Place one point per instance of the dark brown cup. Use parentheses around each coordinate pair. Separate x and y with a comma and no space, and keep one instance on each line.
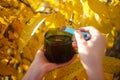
(58,46)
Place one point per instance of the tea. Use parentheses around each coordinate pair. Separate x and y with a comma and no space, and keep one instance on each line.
(59,48)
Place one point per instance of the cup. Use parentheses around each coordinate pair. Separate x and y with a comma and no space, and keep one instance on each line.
(58,46)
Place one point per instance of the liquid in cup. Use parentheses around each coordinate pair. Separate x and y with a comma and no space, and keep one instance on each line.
(58,46)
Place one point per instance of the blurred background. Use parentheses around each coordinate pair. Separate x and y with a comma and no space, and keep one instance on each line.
(24,22)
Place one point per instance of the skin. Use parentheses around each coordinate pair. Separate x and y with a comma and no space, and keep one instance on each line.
(91,52)
(40,66)
(91,56)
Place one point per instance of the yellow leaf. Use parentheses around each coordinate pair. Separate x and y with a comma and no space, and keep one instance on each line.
(56,19)
(29,30)
(35,4)
(99,7)
(7,70)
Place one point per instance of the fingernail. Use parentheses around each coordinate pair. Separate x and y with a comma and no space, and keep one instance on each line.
(77,31)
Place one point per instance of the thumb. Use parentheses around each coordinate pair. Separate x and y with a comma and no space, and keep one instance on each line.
(79,38)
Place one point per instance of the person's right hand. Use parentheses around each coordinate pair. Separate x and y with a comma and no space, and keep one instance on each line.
(91,51)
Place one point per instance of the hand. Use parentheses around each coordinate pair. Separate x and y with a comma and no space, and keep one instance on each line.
(40,66)
(91,51)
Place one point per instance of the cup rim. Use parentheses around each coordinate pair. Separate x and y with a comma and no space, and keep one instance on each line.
(57,31)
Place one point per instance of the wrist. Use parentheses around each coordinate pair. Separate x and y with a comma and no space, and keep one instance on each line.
(34,73)
(38,72)
(95,73)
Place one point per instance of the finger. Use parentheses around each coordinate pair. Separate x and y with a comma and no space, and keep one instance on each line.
(67,63)
(92,30)
(42,48)
(55,65)
(74,45)
(40,52)
(73,58)
(79,38)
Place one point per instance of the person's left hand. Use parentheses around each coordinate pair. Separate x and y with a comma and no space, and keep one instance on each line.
(40,66)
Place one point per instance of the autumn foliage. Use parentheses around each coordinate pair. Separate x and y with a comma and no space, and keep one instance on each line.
(24,22)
